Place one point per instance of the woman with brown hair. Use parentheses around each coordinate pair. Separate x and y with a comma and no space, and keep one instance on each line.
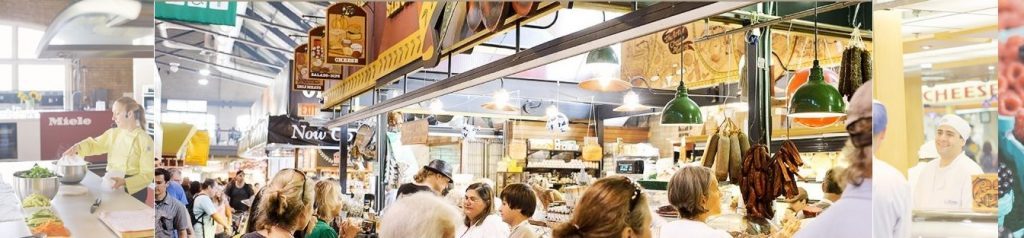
(286,206)
(480,219)
(128,147)
(612,207)
(693,191)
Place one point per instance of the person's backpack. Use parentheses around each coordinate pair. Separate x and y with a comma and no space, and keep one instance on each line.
(197,218)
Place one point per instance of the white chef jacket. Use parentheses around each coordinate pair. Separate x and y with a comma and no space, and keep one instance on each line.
(492,227)
(849,217)
(891,204)
(946,188)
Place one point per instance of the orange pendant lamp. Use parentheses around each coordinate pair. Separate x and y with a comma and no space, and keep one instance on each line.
(799,79)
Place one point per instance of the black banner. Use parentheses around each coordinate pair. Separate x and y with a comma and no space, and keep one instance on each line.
(286,130)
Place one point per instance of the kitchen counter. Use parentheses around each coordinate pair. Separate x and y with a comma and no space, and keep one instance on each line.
(74,209)
(931,223)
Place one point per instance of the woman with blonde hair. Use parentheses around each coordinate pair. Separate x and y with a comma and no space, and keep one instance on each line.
(128,147)
(286,206)
(612,207)
(326,207)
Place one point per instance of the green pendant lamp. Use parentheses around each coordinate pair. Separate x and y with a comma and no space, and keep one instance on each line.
(681,110)
(604,68)
(816,99)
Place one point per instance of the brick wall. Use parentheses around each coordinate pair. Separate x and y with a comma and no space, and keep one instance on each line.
(114,75)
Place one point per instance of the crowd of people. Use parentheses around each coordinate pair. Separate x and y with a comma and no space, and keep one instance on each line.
(293,205)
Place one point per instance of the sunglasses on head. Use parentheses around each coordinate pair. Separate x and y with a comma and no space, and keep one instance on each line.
(860,132)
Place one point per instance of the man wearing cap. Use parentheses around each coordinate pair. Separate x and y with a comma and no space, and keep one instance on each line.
(433,177)
(851,215)
(891,202)
(945,183)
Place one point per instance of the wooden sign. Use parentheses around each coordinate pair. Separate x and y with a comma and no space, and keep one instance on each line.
(959,93)
(346,34)
(985,191)
(319,67)
(300,72)
(415,132)
(394,7)
(308,109)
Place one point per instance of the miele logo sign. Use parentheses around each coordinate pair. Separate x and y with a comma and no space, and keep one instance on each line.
(313,133)
(65,121)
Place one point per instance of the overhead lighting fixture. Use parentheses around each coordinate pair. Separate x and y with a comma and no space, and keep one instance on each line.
(603,66)
(204,72)
(204,81)
(926,47)
(500,102)
(926,66)
(174,67)
(631,103)
(816,99)
(681,110)
(436,106)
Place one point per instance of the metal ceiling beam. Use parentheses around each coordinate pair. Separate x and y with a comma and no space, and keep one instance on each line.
(245,41)
(635,24)
(281,56)
(250,83)
(251,52)
(289,14)
(276,30)
(213,64)
(267,23)
(263,63)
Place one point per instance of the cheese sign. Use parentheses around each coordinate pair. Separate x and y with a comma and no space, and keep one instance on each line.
(959,93)
(346,34)
(300,72)
(319,67)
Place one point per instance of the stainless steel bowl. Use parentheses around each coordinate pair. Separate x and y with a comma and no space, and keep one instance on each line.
(71,174)
(28,186)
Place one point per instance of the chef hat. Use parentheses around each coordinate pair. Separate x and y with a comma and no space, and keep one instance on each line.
(959,124)
(860,104)
(879,117)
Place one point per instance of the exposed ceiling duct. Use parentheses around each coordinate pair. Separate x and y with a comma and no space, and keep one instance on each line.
(94,29)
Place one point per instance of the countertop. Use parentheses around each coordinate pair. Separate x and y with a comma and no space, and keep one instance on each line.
(74,209)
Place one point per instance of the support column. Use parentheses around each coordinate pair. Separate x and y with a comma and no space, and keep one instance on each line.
(901,96)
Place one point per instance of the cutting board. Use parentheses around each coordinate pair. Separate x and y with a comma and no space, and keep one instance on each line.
(126,224)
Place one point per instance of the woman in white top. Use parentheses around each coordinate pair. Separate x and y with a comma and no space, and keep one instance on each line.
(693,191)
(480,222)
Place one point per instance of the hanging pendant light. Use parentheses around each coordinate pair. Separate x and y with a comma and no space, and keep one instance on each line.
(436,106)
(603,66)
(631,103)
(551,111)
(500,102)
(816,99)
(681,110)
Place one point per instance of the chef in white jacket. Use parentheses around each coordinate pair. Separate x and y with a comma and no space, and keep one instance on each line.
(945,183)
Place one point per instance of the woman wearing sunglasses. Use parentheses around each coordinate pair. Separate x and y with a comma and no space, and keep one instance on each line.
(612,207)
(128,147)
(286,206)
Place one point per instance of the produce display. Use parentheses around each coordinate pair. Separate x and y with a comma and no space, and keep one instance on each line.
(766,178)
(36,172)
(35,200)
(44,221)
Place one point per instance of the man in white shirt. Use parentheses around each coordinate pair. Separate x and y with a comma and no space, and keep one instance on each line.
(891,198)
(945,183)
(518,204)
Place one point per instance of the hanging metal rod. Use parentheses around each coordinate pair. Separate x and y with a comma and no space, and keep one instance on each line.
(796,15)
(838,29)
(269,24)
(247,42)
(212,64)
(277,67)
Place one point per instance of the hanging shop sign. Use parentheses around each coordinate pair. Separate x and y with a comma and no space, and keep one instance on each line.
(198,149)
(959,93)
(202,12)
(712,62)
(287,130)
(415,132)
(319,67)
(300,71)
(346,34)
(400,43)
(58,131)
